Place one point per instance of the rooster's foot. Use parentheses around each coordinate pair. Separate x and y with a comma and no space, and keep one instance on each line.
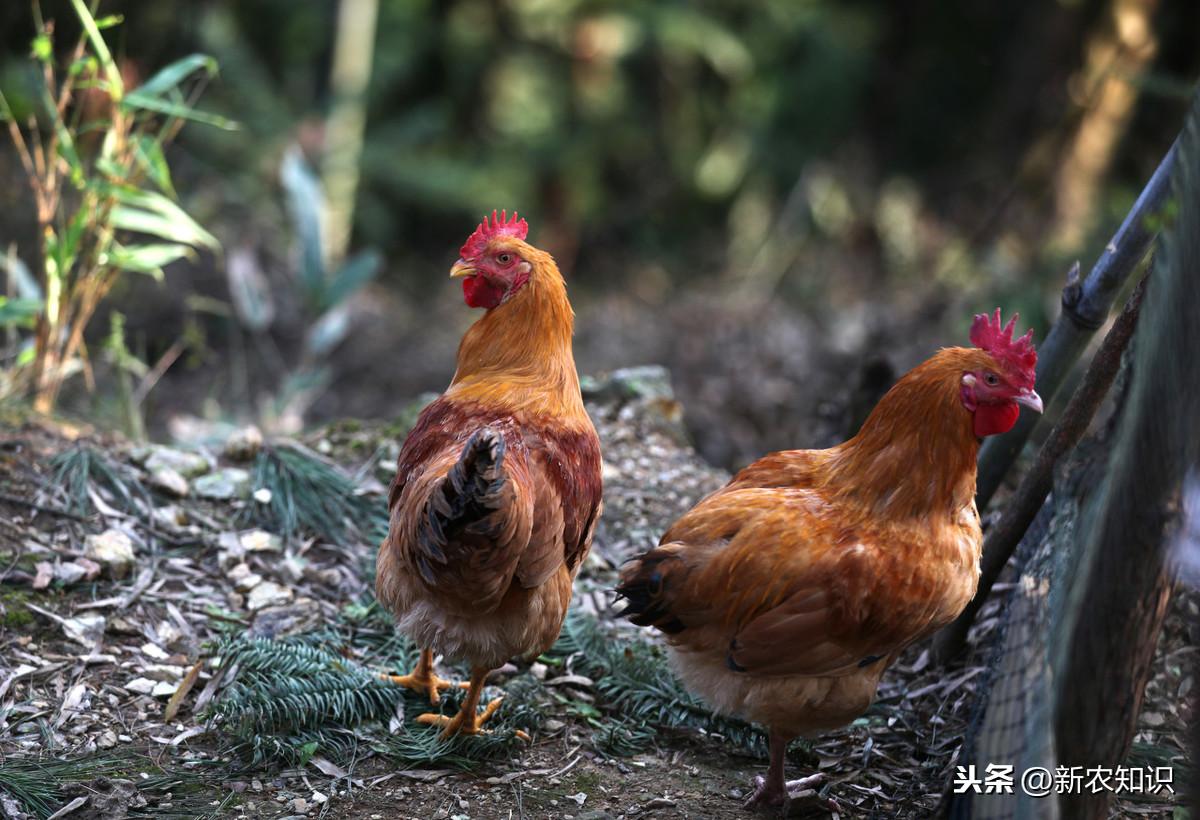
(463,723)
(778,794)
(429,683)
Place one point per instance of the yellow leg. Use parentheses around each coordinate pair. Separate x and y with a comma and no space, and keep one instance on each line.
(423,679)
(468,721)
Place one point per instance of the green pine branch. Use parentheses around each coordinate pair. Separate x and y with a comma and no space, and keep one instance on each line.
(311,495)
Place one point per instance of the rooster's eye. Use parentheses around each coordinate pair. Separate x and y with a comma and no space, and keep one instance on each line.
(992,379)
(504,258)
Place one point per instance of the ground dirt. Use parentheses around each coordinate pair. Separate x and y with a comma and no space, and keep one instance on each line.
(91,696)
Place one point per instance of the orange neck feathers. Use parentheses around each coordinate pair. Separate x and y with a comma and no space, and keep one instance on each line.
(916,453)
(518,355)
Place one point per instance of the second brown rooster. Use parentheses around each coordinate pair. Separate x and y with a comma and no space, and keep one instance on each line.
(787,593)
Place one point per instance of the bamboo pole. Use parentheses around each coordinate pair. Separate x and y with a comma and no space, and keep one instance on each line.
(352,57)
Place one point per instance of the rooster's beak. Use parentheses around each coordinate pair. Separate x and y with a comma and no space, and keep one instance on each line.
(1030,399)
(462,268)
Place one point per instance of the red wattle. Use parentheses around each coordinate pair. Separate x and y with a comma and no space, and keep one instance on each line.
(992,419)
(480,293)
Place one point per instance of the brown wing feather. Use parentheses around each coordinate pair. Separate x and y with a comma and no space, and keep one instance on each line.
(544,516)
(567,488)
(773,579)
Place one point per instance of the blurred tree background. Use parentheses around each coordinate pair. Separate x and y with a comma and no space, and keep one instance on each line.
(784,201)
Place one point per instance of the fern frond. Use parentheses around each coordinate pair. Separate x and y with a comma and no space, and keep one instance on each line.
(311,495)
(293,697)
(81,468)
(635,680)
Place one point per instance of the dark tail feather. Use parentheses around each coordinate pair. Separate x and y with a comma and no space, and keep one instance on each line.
(467,496)
(642,585)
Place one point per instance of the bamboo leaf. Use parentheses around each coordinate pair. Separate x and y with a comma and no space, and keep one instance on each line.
(350,277)
(138,100)
(148,259)
(85,66)
(156,224)
(19,312)
(150,158)
(306,204)
(171,76)
(155,214)
(116,86)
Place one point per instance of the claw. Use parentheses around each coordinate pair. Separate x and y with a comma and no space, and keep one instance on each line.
(430,684)
(461,724)
(423,679)
(775,796)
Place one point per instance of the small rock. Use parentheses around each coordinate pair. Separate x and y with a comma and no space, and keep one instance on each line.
(186,464)
(142,686)
(112,550)
(164,689)
(578,798)
(170,516)
(551,726)
(107,739)
(231,551)
(317,797)
(261,541)
(154,651)
(262,495)
(266,594)
(68,573)
(244,444)
(170,480)
(45,574)
(300,805)
(85,629)
(81,569)
(223,485)
(163,672)
(167,634)
(292,568)
(244,579)
(538,670)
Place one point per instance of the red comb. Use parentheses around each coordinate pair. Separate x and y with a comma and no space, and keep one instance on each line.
(1017,356)
(487,231)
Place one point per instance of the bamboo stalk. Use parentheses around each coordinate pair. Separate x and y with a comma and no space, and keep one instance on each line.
(352,59)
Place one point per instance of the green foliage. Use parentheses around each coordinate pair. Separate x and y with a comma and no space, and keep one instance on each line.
(591,114)
(19,312)
(89,188)
(41,785)
(635,679)
(81,470)
(292,698)
(311,495)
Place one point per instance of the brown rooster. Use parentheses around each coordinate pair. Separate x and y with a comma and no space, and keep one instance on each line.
(497,490)
(787,593)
